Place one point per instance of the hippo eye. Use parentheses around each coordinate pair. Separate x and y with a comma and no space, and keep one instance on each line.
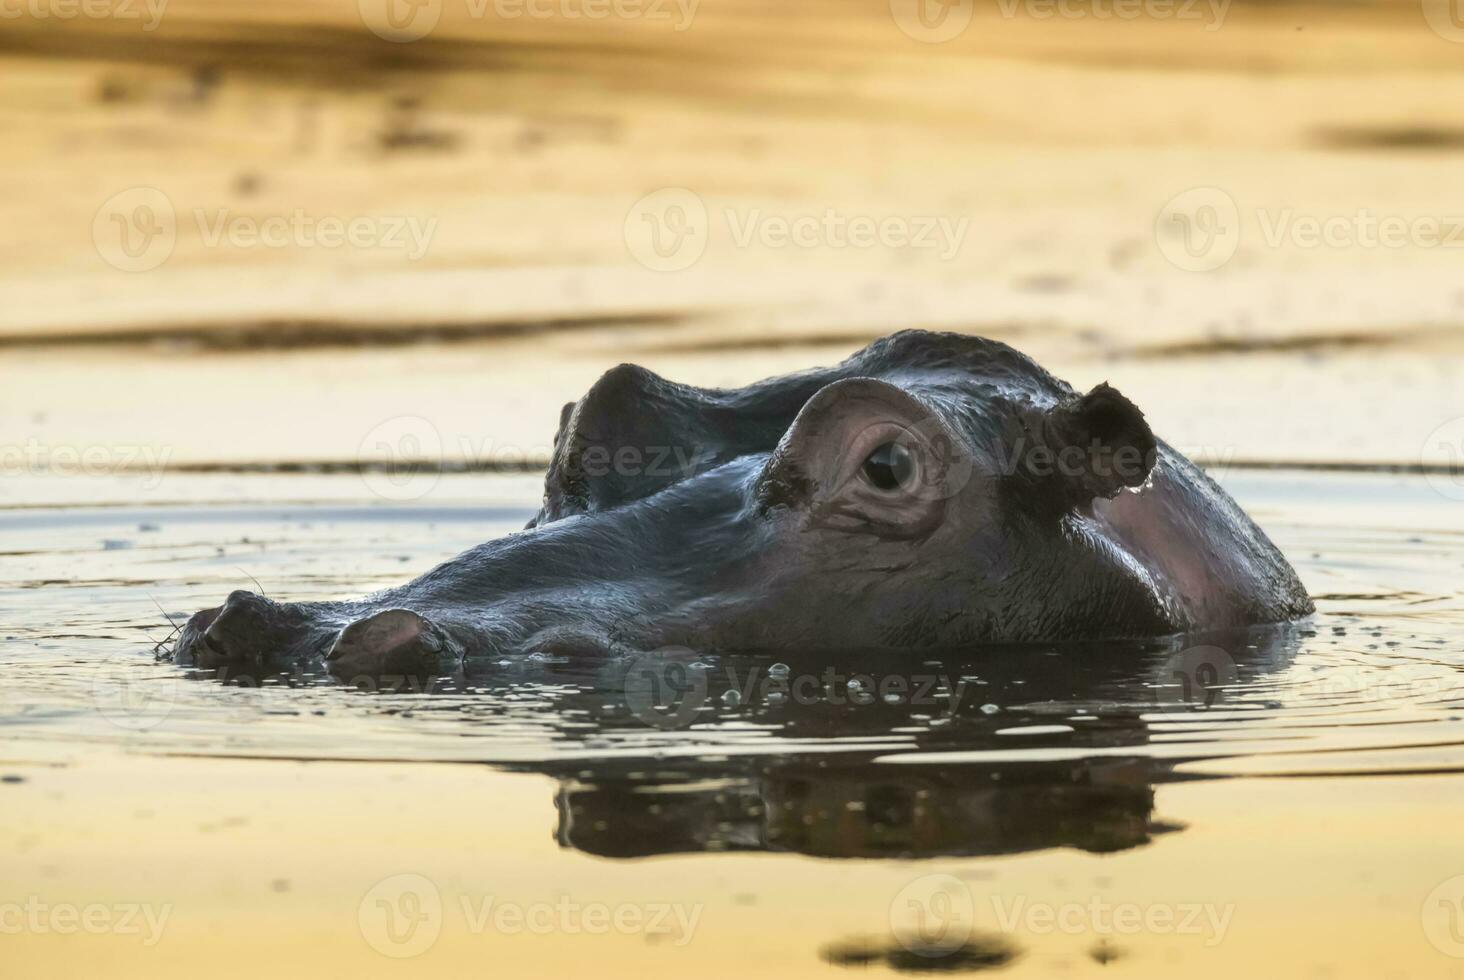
(889,467)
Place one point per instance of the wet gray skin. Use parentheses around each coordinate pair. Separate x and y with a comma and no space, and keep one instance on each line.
(931,490)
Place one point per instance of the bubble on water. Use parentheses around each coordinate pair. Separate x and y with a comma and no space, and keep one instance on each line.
(855,684)
(779,670)
(731,699)
(989,709)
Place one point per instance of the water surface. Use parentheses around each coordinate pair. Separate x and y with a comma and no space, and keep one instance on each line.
(1282,799)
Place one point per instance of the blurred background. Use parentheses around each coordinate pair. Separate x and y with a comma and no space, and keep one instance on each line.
(254,233)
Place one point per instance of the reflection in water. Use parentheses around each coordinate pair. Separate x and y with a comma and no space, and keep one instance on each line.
(863,809)
(919,775)
(908,954)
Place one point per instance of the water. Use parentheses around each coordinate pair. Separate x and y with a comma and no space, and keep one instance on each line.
(982,786)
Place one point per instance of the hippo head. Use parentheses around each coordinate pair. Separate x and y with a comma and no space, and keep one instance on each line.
(932,489)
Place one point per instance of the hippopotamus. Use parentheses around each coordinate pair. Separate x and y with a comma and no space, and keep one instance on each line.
(933,489)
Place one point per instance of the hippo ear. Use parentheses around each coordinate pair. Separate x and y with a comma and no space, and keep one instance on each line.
(1087,446)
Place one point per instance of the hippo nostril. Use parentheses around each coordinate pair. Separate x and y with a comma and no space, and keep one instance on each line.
(247,628)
